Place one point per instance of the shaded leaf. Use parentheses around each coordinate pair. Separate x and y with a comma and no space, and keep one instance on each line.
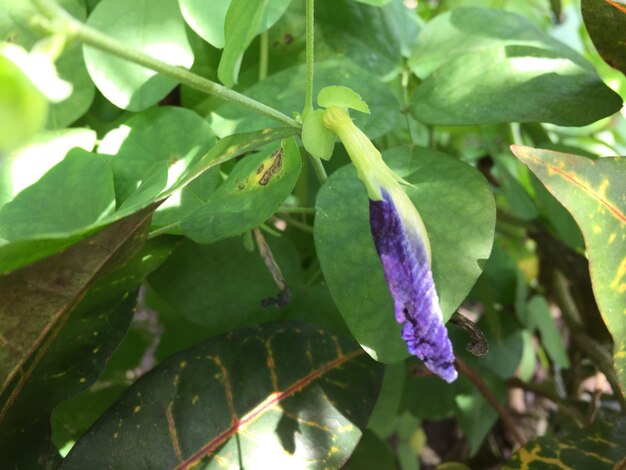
(593,192)
(221,286)
(73,357)
(38,299)
(459,213)
(290,394)
(606,23)
(600,446)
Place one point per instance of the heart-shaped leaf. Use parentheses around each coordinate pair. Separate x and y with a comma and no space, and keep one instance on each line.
(458,210)
(141,26)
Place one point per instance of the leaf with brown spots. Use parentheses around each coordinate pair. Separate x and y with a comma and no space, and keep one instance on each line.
(606,23)
(594,192)
(285,393)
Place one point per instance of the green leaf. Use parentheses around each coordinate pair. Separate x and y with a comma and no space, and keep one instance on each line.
(513,83)
(208,20)
(242,21)
(475,415)
(600,447)
(29,163)
(75,354)
(221,286)
(23,252)
(484,66)
(465,31)
(15,28)
(606,22)
(458,210)
(37,300)
(291,395)
(255,189)
(23,108)
(40,210)
(141,26)
(283,91)
(172,136)
(540,317)
(372,453)
(593,192)
(386,409)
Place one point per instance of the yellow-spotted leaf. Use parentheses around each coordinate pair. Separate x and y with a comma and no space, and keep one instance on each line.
(594,192)
(279,395)
(601,446)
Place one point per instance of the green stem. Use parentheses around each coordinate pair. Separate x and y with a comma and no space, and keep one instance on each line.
(297,224)
(61,22)
(263,55)
(318,168)
(310,57)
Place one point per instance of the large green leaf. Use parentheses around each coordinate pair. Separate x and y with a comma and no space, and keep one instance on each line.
(73,358)
(292,395)
(255,189)
(42,210)
(174,136)
(464,31)
(243,19)
(221,286)
(283,91)
(14,27)
(601,446)
(513,83)
(207,19)
(458,210)
(606,22)
(37,300)
(486,66)
(593,191)
(139,24)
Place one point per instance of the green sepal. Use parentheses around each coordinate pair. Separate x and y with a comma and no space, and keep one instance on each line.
(342,97)
(318,140)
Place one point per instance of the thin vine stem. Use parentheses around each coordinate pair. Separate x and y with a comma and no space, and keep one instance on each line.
(263,55)
(310,57)
(59,21)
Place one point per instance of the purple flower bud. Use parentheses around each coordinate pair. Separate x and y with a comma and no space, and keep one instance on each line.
(410,280)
